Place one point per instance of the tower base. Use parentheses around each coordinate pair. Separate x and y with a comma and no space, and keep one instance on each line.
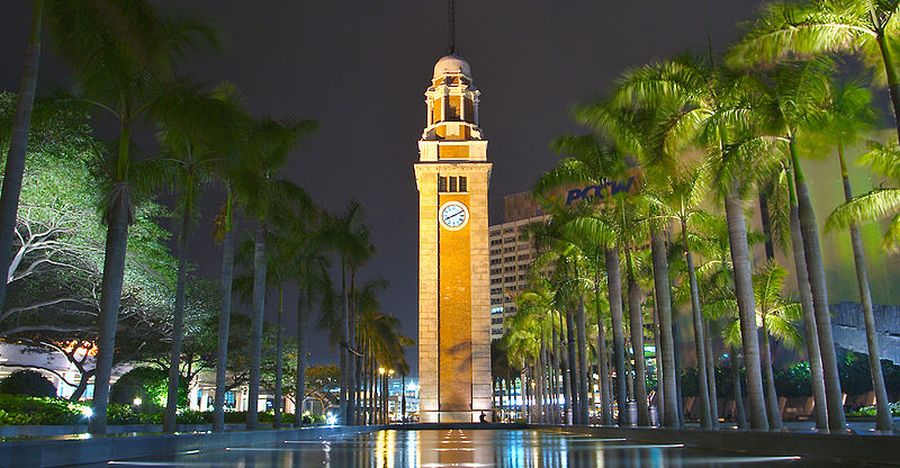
(453,416)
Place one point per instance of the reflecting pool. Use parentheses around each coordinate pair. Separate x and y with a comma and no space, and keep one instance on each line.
(468,448)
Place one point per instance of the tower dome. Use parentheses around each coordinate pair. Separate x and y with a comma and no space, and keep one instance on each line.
(452,64)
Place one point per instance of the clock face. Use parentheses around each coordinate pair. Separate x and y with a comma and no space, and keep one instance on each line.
(453,215)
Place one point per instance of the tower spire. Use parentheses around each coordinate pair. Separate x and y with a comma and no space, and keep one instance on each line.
(452,27)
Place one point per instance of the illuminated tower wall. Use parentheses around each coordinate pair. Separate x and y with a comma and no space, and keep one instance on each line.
(452,177)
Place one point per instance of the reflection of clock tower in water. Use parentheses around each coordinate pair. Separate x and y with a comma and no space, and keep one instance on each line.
(452,178)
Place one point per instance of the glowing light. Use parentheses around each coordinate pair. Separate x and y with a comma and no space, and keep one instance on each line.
(331,419)
(137,401)
(87,412)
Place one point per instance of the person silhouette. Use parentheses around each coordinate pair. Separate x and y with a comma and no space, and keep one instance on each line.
(482,417)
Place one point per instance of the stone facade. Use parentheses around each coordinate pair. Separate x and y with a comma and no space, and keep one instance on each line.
(454,330)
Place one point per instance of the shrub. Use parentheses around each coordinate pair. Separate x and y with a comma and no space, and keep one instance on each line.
(871,411)
(27,382)
(118,413)
(150,385)
(27,410)
(794,381)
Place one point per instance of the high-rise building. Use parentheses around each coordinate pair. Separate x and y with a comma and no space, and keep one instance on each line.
(452,179)
(511,254)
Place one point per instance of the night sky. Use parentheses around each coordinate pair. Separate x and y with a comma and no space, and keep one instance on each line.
(360,68)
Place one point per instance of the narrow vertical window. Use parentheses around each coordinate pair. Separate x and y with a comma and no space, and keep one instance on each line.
(442,184)
(453,183)
(463,184)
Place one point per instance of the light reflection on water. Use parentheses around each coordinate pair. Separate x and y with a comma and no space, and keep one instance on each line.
(526,448)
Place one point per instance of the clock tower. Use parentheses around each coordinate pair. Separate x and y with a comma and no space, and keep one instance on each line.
(452,177)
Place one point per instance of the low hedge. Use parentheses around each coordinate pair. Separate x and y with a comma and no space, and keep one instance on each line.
(870,411)
(21,410)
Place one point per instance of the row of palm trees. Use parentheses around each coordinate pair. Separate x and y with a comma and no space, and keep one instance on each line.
(123,55)
(687,128)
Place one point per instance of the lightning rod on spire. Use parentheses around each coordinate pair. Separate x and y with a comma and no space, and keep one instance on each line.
(452,27)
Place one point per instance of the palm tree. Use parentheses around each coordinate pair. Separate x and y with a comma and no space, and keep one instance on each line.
(637,131)
(266,199)
(714,110)
(304,256)
(879,203)
(231,173)
(18,145)
(868,28)
(196,131)
(592,160)
(123,76)
(351,239)
(680,198)
(791,104)
(848,117)
(778,318)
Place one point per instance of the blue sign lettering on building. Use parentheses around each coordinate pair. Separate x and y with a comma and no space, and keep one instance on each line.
(599,191)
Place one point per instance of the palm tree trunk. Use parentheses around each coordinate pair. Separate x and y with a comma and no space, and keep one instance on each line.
(711,376)
(539,367)
(259,308)
(602,355)
(893,80)
(584,414)
(766,224)
(883,421)
(169,419)
(352,358)
(774,411)
(743,290)
(554,364)
(300,385)
(667,340)
(816,268)
(614,287)
(18,143)
(567,382)
(279,360)
(572,364)
(344,343)
(699,339)
(373,383)
(637,345)
(523,391)
(403,397)
(817,378)
(224,315)
(118,219)
(740,416)
(660,388)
